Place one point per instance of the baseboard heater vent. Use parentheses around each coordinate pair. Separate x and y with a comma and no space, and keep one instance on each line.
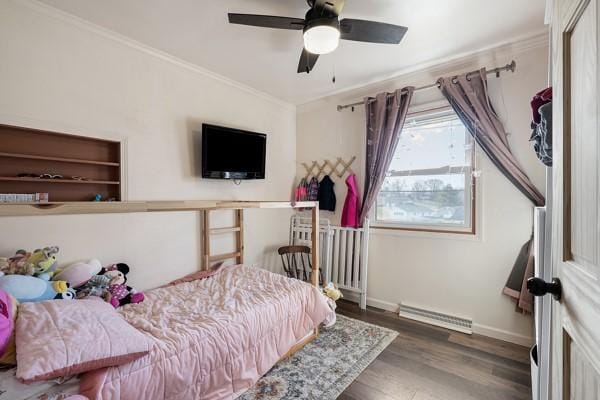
(435,318)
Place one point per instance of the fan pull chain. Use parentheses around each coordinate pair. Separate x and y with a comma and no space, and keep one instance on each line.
(333,79)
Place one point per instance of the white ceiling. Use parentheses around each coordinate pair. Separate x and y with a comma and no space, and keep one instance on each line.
(197,31)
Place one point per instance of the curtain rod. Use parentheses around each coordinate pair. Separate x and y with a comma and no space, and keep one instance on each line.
(508,67)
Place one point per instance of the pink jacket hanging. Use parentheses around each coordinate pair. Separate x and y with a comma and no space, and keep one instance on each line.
(350,214)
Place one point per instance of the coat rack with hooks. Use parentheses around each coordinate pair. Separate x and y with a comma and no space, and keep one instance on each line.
(327,167)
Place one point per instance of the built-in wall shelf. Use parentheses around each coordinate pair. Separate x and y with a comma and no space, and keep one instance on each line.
(78,167)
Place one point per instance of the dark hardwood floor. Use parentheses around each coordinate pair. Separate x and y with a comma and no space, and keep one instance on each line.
(430,363)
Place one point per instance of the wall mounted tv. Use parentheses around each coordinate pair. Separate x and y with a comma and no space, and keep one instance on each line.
(232,153)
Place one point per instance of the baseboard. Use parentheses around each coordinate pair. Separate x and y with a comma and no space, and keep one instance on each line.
(501,334)
(381,304)
(384,305)
(478,329)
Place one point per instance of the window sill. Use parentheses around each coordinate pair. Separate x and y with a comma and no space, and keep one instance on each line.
(429,233)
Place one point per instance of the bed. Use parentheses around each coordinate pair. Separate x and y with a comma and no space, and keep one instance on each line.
(212,338)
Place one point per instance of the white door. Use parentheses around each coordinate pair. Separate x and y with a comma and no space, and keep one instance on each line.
(575,370)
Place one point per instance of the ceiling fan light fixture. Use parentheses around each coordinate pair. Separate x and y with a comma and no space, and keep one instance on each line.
(321,39)
(322,29)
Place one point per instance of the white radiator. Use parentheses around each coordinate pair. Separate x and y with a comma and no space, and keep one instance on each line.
(344,253)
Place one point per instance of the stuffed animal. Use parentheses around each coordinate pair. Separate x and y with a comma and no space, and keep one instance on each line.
(96,286)
(119,293)
(30,288)
(332,292)
(17,264)
(4,265)
(44,262)
(79,273)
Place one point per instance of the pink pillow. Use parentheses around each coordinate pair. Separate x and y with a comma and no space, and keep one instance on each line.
(80,273)
(62,338)
(198,275)
(8,311)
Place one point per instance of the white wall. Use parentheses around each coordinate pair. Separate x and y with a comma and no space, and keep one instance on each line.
(459,275)
(60,73)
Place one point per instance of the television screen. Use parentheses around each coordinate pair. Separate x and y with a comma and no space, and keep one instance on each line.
(232,153)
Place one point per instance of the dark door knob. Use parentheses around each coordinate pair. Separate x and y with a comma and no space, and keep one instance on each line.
(539,287)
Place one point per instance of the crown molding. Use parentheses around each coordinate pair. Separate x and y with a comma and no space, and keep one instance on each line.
(438,67)
(84,24)
(548,13)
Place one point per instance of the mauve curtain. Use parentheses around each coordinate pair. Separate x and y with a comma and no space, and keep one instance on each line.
(468,96)
(385,118)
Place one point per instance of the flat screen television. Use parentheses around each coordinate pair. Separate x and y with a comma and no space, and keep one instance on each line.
(232,153)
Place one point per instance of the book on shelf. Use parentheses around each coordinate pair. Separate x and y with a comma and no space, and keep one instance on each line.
(23,197)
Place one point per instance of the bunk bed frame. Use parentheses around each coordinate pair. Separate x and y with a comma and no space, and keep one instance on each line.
(205,207)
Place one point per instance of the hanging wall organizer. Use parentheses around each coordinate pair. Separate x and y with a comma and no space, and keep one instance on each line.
(326,167)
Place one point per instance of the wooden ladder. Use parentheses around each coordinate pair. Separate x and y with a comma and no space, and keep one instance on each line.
(207,232)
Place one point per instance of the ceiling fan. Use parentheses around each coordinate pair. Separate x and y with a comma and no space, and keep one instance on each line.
(323,30)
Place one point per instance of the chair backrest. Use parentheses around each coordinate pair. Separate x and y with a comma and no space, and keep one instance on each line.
(296,261)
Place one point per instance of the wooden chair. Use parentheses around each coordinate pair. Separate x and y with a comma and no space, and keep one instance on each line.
(296,262)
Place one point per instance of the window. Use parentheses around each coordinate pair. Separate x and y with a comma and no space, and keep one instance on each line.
(429,184)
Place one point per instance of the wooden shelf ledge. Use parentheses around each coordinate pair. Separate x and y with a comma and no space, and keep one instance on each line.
(69,208)
(41,180)
(58,159)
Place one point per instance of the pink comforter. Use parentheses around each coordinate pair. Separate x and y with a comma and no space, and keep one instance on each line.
(213,338)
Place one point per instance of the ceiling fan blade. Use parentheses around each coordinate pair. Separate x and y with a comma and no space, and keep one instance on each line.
(334,6)
(371,31)
(267,21)
(307,61)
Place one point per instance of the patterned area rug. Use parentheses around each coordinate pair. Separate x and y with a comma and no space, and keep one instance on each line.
(327,365)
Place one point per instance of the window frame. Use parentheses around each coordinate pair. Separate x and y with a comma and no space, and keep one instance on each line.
(470,181)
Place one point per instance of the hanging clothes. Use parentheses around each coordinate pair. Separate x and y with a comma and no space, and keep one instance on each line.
(541,125)
(350,213)
(301,191)
(326,194)
(313,190)
(516,285)
(541,135)
(540,98)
